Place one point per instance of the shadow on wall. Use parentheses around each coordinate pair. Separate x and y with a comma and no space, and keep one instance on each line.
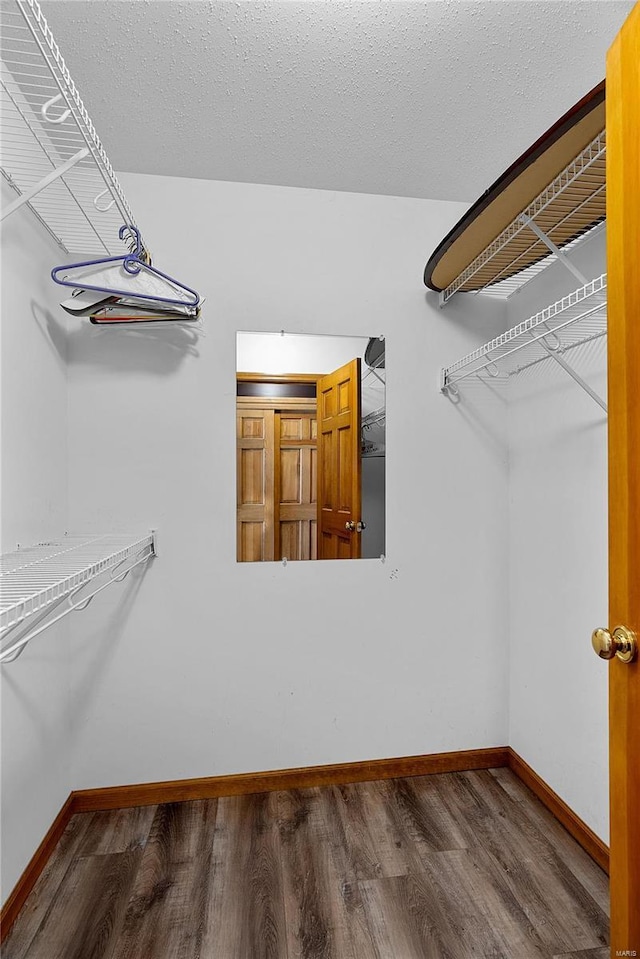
(146,350)
(477,407)
(457,313)
(96,647)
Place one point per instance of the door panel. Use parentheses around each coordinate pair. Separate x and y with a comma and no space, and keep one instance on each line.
(297,540)
(339,477)
(290,476)
(254,472)
(344,478)
(251,545)
(253,477)
(623,317)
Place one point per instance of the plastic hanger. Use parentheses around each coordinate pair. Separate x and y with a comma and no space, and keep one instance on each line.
(120,313)
(133,264)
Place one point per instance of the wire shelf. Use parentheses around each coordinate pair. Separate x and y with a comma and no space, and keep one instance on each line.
(373,421)
(51,153)
(36,578)
(374,418)
(565,212)
(570,322)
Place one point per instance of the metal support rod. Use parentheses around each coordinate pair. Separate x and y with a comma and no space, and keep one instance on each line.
(574,376)
(553,248)
(11,653)
(43,184)
(376,374)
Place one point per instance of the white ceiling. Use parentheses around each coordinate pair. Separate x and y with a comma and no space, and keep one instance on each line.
(426,99)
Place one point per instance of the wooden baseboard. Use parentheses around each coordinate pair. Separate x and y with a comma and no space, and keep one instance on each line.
(592,844)
(145,794)
(27,880)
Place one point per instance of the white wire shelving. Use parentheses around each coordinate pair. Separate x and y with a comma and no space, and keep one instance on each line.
(40,584)
(50,152)
(559,218)
(374,418)
(374,414)
(576,319)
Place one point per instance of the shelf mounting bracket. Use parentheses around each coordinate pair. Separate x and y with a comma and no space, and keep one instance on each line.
(572,373)
(44,183)
(550,245)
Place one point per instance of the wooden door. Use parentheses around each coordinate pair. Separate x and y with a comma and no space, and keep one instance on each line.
(296,469)
(623,251)
(255,476)
(339,463)
(276,441)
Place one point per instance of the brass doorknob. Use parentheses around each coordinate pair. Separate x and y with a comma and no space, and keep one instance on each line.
(622,643)
(350,525)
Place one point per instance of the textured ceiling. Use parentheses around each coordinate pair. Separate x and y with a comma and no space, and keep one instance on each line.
(426,99)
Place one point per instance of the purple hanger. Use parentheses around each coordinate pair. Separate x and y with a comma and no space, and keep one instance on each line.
(133,264)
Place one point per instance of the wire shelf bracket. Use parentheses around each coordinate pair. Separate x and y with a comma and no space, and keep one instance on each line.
(576,319)
(559,255)
(41,584)
(44,183)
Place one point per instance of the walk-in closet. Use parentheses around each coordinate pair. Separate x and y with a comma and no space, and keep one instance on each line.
(319,490)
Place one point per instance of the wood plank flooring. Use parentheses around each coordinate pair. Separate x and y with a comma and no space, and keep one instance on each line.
(453,866)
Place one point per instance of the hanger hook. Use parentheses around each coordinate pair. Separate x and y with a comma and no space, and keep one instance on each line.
(131,263)
(134,233)
(132,260)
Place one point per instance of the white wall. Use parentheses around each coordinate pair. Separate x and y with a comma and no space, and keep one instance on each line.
(201,666)
(216,667)
(35,765)
(558,561)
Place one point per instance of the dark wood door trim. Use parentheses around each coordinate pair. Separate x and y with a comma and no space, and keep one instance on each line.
(278,377)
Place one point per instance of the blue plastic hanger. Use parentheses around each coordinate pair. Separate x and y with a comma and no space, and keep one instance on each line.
(133,264)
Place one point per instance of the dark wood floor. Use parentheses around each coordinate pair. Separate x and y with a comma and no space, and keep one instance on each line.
(436,867)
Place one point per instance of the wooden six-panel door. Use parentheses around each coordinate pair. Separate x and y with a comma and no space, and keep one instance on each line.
(296,469)
(623,317)
(339,463)
(276,482)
